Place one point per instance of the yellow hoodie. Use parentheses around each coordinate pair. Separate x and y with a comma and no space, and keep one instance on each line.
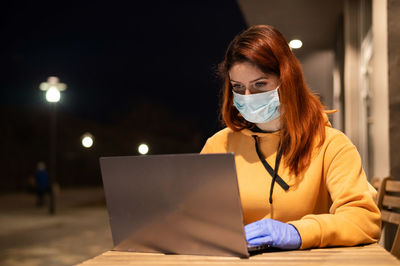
(331,204)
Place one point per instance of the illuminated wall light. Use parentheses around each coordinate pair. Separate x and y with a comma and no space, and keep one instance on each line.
(87,140)
(295,44)
(53,95)
(143,149)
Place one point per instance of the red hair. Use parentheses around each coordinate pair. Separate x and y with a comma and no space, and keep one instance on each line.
(302,119)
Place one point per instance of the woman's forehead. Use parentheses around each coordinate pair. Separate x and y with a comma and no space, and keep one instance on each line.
(246,72)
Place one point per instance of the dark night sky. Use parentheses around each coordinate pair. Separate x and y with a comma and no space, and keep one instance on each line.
(112,54)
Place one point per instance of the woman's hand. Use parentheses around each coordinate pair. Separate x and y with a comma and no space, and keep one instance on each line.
(273,233)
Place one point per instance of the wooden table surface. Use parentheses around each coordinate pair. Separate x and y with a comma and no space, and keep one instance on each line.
(360,255)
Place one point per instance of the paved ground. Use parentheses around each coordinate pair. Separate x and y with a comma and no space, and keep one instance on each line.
(31,236)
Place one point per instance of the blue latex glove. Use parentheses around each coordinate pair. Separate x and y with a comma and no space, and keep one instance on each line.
(273,233)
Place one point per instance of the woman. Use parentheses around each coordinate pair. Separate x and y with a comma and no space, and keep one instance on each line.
(301,182)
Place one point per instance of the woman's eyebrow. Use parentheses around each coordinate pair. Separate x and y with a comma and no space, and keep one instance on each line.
(259,79)
(251,80)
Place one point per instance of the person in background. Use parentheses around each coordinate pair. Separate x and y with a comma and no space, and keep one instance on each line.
(42,183)
(301,181)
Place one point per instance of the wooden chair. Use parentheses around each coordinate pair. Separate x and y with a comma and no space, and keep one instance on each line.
(376,182)
(388,201)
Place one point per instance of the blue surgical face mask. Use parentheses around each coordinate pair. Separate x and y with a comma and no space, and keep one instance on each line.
(259,107)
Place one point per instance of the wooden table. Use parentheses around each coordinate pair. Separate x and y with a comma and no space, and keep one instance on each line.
(361,255)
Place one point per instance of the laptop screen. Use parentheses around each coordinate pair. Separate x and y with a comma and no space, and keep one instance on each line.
(180,204)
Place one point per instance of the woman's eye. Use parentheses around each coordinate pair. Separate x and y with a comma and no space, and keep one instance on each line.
(237,86)
(260,84)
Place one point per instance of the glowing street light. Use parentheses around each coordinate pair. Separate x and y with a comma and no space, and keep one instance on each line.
(295,44)
(53,95)
(143,149)
(53,88)
(87,140)
(52,82)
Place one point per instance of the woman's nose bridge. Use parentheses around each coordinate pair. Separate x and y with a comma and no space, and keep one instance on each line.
(249,89)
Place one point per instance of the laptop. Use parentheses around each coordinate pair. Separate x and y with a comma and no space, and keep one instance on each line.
(175,204)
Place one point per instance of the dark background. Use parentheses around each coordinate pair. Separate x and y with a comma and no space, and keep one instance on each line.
(135,72)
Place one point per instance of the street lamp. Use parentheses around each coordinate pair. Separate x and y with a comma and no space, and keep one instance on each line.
(53,95)
(53,88)
(143,149)
(87,140)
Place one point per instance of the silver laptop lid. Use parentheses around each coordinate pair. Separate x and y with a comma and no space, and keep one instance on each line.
(180,204)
